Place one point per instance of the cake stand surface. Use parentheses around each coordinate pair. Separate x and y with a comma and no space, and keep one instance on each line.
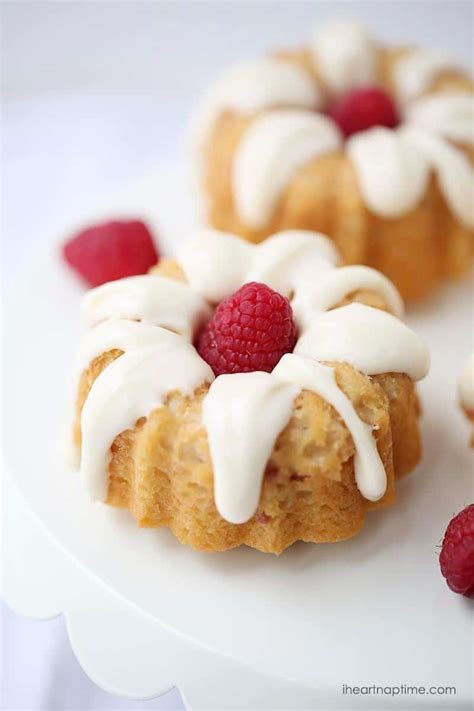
(240,629)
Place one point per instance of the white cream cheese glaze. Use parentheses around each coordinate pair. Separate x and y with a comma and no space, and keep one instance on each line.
(121,334)
(371,340)
(148,298)
(290,258)
(335,284)
(215,263)
(415,73)
(243,413)
(113,334)
(450,115)
(345,56)
(131,387)
(393,168)
(392,174)
(272,150)
(466,385)
(454,171)
(308,374)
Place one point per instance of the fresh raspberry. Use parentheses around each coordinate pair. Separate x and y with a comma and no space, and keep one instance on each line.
(250,330)
(361,109)
(111,250)
(457,553)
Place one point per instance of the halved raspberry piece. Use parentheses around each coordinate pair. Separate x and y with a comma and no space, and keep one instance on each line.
(111,250)
(251,330)
(362,109)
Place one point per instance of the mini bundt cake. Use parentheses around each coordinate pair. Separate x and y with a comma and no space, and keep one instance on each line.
(309,422)
(466,392)
(368,144)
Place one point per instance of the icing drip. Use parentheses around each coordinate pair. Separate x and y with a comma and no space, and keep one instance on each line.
(131,387)
(453,169)
(241,440)
(253,86)
(371,340)
(120,334)
(345,56)
(244,413)
(415,73)
(449,114)
(392,173)
(334,285)
(274,148)
(292,257)
(151,299)
(307,374)
(466,385)
(110,335)
(393,167)
(215,263)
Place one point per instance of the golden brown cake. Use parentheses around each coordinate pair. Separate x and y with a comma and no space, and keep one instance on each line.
(258,458)
(368,144)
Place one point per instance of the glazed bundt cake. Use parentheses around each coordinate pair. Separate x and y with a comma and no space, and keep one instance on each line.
(368,144)
(287,443)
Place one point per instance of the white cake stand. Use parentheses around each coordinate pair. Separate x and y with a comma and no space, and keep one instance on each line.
(240,629)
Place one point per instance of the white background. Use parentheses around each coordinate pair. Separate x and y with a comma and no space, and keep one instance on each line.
(93,93)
